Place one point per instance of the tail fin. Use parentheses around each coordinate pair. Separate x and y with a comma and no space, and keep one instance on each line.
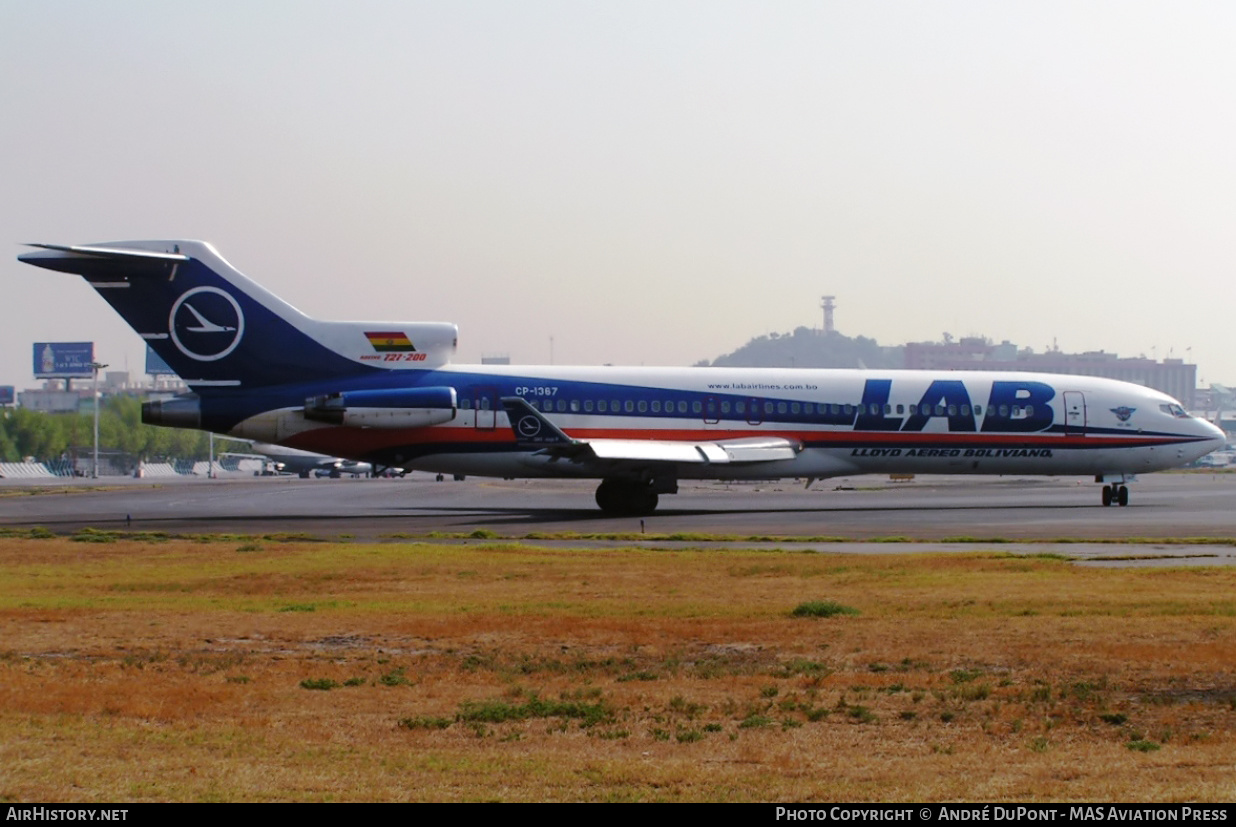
(214,326)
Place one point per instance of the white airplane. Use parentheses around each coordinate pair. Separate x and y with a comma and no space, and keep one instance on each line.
(388,393)
(305,463)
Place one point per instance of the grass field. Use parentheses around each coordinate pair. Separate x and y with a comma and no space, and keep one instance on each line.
(242,669)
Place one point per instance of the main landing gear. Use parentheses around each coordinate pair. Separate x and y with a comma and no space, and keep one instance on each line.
(627,498)
(1115,494)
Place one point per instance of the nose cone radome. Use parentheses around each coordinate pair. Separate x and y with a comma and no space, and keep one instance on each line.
(1214,436)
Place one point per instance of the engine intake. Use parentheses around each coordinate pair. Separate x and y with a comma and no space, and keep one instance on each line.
(184,411)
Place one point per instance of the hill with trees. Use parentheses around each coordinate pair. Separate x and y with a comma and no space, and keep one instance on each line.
(808,348)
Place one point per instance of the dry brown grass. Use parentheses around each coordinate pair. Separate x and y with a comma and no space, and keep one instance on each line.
(137,670)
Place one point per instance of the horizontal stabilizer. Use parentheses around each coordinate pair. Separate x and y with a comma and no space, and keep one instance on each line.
(99,252)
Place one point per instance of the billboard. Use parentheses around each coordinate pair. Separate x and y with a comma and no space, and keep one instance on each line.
(7,394)
(155,365)
(63,360)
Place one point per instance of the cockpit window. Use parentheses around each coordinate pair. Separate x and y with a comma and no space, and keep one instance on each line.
(1175,410)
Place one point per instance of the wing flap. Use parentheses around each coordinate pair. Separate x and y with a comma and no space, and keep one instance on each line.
(760,449)
(771,449)
(644,450)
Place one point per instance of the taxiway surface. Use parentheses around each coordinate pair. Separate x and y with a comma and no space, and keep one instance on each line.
(1164,506)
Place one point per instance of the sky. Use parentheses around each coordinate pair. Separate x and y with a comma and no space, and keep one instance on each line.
(640,182)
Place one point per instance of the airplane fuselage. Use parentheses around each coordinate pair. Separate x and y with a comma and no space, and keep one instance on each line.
(845,421)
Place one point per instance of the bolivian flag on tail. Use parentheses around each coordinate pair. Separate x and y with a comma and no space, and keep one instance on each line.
(389,342)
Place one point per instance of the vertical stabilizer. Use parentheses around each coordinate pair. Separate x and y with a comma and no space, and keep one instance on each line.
(215,327)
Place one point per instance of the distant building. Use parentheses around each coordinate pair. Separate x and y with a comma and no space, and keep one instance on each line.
(69,396)
(53,400)
(1172,376)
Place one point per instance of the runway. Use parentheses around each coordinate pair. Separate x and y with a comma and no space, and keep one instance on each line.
(1162,507)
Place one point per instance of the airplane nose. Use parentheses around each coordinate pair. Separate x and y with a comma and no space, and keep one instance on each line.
(1215,436)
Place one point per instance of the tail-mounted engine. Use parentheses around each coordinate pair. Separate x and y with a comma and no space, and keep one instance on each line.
(397,408)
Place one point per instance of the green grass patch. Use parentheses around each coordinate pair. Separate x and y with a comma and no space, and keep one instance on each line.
(534,706)
(643,675)
(960,676)
(425,723)
(319,684)
(822,608)
(395,677)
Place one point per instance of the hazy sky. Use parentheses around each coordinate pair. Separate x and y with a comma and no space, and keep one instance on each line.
(646,182)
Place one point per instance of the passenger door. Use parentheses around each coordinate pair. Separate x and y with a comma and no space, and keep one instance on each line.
(1074,413)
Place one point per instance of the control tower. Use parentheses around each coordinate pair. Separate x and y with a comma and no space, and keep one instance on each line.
(828,304)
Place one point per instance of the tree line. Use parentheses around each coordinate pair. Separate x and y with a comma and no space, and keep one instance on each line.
(53,436)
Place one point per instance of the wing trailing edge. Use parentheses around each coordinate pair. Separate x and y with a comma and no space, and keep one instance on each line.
(533,430)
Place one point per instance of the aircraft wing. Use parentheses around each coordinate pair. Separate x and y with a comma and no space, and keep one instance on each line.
(533,430)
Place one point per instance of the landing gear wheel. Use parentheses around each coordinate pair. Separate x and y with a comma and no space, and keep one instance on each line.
(622,498)
(1115,494)
(644,503)
(608,498)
